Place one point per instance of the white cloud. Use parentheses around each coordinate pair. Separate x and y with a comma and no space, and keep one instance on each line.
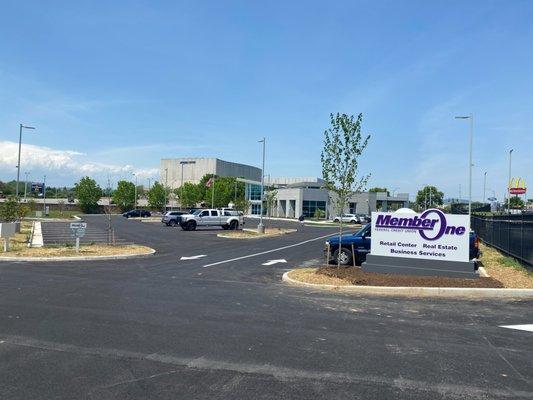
(64,163)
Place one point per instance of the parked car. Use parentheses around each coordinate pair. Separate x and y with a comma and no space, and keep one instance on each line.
(361,244)
(349,218)
(172,218)
(363,218)
(137,213)
(225,218)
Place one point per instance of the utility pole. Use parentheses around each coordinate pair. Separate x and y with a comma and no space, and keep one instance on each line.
(509,184)
(18,163)
(261,227)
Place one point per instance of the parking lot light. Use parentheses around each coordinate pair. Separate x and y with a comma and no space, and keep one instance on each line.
(261,227)
(21,126)
(471,118)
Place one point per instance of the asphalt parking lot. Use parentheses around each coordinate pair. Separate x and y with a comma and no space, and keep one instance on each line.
(220,325)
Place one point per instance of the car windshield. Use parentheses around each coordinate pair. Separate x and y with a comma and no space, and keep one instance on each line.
(360,231)
(197,212)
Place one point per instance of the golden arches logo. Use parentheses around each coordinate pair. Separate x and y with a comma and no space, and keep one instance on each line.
(517,186)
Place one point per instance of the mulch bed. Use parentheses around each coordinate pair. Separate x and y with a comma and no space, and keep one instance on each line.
(356,276)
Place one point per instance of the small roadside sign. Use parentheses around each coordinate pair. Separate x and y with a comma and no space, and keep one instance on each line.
(77,229)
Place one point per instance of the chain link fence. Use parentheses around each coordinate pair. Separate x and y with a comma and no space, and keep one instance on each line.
(511,234)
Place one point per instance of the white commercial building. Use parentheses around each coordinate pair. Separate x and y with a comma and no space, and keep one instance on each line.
(175,171)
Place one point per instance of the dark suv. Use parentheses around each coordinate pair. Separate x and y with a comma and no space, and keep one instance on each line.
(137,213)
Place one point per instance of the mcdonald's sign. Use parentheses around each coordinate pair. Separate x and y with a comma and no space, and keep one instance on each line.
(517,186)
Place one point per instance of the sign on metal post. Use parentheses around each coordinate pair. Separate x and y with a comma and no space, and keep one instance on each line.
(77,229)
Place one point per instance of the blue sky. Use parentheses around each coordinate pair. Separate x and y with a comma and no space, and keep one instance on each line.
(113,87)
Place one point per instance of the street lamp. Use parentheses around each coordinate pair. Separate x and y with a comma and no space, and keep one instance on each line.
(25,184)
(135,205)
(471,118)
(181,187)
(484,186)
(18,163)
(509,183)
(261,227)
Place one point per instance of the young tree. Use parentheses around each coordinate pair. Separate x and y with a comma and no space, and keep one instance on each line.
(343,145)
(271,195)
(124,195)
(88,193)
(157,196)
(429,196)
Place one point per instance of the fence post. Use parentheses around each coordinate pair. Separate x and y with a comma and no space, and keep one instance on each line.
(522,239)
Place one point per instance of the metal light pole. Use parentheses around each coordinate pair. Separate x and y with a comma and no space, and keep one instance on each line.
(509,183)
(25,185)
(135,205)
(181,187)
(484,186)
(44,195)
(18,163)
(261,227)
(471,117)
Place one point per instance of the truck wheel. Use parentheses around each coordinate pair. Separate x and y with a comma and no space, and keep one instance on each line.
(191,225)
(172,223)
(233,225)
(336,220)
(345,256)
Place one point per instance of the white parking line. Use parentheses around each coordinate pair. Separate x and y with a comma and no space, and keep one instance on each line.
(268,251)
(525,327)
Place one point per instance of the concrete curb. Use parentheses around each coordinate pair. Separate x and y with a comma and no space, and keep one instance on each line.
(222,235)
(83,258)
(486,293)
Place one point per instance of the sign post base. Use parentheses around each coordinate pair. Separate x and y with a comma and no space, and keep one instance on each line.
(417,266)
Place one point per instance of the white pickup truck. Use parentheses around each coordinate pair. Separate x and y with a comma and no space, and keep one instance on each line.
(226,218)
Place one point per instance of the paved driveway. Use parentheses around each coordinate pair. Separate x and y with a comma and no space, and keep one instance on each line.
(224,327)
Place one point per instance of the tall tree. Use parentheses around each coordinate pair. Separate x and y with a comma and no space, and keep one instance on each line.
(227,190)
(343,145)
(157,196)
(189,194)
(124,195)
(88,193)
(429,196)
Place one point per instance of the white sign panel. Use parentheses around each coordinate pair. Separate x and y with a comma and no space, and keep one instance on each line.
(77,229)
(430,235)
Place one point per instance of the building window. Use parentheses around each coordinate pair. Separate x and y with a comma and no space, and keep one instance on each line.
(254,193)
(256,209)
(353,208)
(310,207)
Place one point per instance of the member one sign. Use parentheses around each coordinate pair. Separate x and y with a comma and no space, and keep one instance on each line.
(430,235)
(77,229)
